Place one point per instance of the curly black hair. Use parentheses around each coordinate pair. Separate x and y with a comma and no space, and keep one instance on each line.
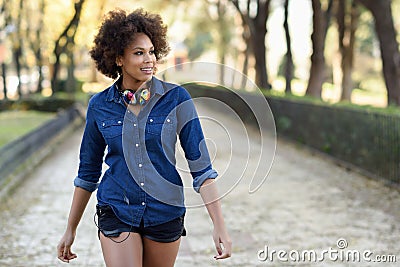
(118,31)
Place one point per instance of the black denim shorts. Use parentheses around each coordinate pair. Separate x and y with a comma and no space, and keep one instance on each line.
(111,226)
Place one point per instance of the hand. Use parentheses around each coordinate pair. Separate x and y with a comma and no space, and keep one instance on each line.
(223,244)
(64,247)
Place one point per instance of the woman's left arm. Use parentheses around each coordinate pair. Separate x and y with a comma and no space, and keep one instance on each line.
(209,194)
(194,145)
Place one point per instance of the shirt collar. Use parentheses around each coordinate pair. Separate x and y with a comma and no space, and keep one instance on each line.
(114,96)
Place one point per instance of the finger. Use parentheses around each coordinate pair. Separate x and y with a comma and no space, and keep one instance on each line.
(66,252)
(72,255)
(222,256)
(60,252)
(62,258)
(218,247)
(227,251)
(68,255)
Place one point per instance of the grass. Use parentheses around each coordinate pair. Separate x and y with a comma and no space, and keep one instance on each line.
(14,124)
(77,96)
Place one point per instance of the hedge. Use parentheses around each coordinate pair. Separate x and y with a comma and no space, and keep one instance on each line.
(366,139)
(43,104)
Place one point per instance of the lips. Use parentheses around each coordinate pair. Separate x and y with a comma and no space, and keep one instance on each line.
(147,70)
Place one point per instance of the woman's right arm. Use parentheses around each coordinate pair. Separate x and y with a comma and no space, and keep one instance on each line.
(90,166)
(79,202)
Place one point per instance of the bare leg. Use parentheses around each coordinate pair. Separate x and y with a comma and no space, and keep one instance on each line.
(156,254)
(129,253)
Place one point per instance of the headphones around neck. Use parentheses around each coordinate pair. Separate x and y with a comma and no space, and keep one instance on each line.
(140,97)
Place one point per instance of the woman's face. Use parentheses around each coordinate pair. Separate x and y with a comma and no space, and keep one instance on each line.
(139,60)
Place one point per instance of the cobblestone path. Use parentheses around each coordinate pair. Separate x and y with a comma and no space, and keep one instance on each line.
(307,205)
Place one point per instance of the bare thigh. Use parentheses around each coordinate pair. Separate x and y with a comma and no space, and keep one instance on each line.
(128,253)
(156,254)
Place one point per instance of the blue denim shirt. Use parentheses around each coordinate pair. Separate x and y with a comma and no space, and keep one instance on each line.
(142,181)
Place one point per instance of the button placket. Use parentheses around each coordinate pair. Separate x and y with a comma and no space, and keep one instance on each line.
(138,151)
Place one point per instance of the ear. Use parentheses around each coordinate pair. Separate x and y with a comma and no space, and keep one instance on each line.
(118,61)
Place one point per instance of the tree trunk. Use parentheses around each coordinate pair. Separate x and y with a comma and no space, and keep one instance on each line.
(55,70)
(246,54)
(39,85)
(258,41)
(7,19)
(258,36)
(347,25)
(289,66)
(93,69)
(222,70)
(224,38)
(38,50)
(384,26)
(320,27)
(4,74)
(35,25)
(348,58)
(17,48)
(17,53)
(258,29)
(67,37)
(70,85)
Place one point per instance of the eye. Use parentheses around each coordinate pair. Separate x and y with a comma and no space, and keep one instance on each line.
(152,52)
(138,53)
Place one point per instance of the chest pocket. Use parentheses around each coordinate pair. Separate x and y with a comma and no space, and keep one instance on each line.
(111,128)
(160,125)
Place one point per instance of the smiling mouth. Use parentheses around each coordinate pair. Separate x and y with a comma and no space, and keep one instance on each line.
(148,69)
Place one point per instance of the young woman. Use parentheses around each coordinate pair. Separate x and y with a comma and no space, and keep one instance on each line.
(138,119)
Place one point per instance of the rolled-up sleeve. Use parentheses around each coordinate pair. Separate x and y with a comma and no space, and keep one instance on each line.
(91,153)
(88,186)
(199,180)
(192,141)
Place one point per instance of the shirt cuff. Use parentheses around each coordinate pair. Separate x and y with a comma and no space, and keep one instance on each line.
(199,180)
(88,186)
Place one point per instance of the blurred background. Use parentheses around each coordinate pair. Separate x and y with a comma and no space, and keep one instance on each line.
(333,55)
(329,49)
(328,69)
(330,56)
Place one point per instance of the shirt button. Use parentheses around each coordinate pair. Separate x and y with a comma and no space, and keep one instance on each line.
(151,120)
(134,124)
(143,203)
(104,124)
(119,122)
(168,120)
(137,145)
(140,165)
(142,184)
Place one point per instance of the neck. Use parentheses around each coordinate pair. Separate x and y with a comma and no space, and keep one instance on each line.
(133,85)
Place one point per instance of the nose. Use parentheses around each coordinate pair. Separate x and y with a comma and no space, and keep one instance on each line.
(147,58)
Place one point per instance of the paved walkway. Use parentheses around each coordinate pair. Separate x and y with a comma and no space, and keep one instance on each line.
(306,205)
